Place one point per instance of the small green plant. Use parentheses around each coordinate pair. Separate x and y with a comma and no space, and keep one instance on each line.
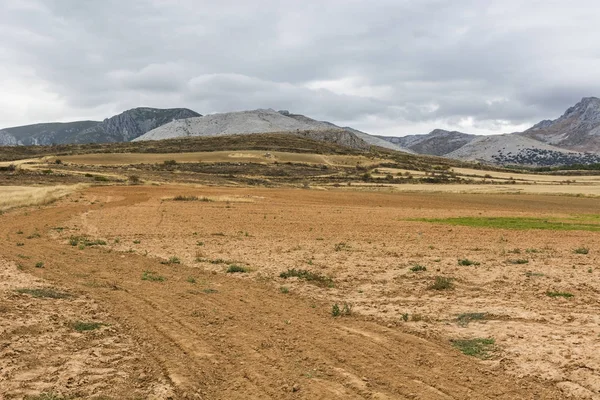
(80,326)
(233,269)
(581,250)
(529,274)
(532,251)
(514,251)
(466,262)
(478,347)
(209,291)
(344,310)
(171,260)
(191,280)
(341,246)
(199,243)
(441,283)
(39,264)
(137,241)
(34,235)
(19,232)
(100,178)
(465,318)
(559,294)
(405,317)
(44,293)
(152,277)
(284,290)
(309,276)
(418,268)
(83,242)
(518,261)
(20,244)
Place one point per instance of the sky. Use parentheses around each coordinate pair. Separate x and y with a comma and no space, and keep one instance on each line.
(389,67)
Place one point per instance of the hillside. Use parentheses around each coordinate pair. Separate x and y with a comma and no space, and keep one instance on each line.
(265,121)
(577,129)
(438,142)
(119,128)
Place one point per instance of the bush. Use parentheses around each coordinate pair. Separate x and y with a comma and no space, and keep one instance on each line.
(235,269)
(581,250)
(309,276)
(418,268)
(441,283)
(466,262)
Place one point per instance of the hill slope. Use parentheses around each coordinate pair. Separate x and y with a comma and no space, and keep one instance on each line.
(123,127)
(436,143)
(577,129)
(265,121)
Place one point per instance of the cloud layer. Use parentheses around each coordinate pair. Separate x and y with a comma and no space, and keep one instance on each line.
(390,67)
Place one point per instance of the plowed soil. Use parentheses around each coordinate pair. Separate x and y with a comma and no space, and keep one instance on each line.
(203,333)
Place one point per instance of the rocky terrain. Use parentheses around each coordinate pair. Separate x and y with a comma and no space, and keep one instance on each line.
(265,121)
(120,128)
(577,129)
(574,138)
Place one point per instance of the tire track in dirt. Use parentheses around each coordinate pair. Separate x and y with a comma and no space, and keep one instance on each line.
(264,344)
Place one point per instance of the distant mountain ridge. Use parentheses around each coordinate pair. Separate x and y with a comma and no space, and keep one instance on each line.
(119,128)
(574,138)
(266,121)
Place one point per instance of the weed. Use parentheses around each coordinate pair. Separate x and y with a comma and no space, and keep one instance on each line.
(418,268)
(199,243)
(529,274)
(45,293)
(23,256)
(185,198)
(589,270)
(514,251)
(151,276)
(85,242)
(467,262)
(581,250)
(20,244)
(100,178)
(345,310)
(209,291)
(34,235)
(284,290)
(137,241)
(465,318)
(19,232)
(478,347)
(405,317)
(441,283)
(518,261)
(532,251)
(341,246)
(80,326)
(233,269)
(171,260)
(191,279)
(309,276)
(39,264)
(559,294)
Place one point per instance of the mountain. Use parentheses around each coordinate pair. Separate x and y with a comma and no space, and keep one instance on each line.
(264,121)
(120,128)
(514,149)
(577,129)
(437,143)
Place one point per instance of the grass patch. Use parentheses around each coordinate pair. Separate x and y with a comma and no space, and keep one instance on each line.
(581,250)
(83,241)
(418,268)
(478,347)
(465,318)
(80,326)
(236,269)
(152,277)
(441,283)
(515,223)
(529,274)
(191,198)
(566,295)
(344,310)
(191,280)
(466,262)
(48,293)
(171,260)
(100,178)
(284,289)
(518,261)
(309,276)
(39,264)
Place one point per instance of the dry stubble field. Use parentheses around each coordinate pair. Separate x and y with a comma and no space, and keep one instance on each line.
(148,276)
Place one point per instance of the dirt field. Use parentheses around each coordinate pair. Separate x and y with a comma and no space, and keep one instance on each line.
(172,323)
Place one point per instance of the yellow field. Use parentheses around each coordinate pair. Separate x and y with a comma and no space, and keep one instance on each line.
(19,196)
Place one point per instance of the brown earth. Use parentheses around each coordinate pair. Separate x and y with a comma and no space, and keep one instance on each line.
(226,336)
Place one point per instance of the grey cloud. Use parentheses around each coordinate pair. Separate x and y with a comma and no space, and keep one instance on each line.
(499,64)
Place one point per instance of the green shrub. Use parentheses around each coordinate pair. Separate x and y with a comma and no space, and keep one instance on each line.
(418,268)
(234,269)
(478,347)
(441,283)
(581,250)
(309,276)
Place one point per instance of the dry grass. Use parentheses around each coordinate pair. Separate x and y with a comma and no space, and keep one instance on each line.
(20,196)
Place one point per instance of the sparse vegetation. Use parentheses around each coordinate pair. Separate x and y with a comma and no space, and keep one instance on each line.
(466,262)
(309,276)
(171,260)
(83,241)
(39,264)
(80,326)
(530,274)
(518,261)
(45,293)
(341,246)
(284,289)
(478,347)
(465,318)
(152,277)
(441,283)
(234,269)
(418,268)
(566,295)
(516,223)
(344,310)
(581,250)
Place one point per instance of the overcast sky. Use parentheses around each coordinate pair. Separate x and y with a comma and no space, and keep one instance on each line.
(391,67)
